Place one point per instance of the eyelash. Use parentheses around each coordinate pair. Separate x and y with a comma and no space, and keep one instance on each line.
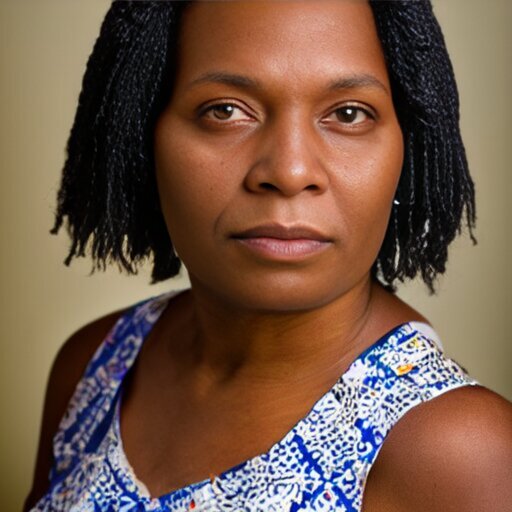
(359,109)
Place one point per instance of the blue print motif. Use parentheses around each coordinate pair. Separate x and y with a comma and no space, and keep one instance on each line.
(320,465)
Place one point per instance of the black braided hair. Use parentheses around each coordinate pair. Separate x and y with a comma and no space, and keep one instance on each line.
(435,190)
(108,192)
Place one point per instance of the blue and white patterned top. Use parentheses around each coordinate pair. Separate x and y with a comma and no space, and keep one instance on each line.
(320,465)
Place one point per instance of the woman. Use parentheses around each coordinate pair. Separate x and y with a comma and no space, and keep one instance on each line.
(302,157)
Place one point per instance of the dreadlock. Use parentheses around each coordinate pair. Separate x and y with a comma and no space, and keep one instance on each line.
(108,192)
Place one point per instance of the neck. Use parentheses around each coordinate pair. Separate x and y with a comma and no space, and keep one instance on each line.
(274,347)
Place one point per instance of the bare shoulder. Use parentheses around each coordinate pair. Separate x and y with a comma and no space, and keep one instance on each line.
(67,369)
(451,453)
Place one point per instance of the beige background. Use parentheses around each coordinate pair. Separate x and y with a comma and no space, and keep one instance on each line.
(44,45)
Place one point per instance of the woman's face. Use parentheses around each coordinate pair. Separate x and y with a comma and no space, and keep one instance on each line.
(279,152)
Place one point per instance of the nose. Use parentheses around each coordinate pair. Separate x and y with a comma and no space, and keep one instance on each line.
(288,160)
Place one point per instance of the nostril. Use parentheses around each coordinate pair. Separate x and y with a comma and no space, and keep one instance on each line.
(312,187)
(268,186)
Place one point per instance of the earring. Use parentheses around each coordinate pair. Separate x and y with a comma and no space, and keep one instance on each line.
(396,202)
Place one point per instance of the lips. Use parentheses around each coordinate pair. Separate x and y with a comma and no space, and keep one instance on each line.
(280,242)
(282,232)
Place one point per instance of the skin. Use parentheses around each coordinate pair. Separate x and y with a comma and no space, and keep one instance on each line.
(262,335)
(284,157)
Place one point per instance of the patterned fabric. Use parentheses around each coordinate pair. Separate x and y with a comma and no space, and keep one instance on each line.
(320,465)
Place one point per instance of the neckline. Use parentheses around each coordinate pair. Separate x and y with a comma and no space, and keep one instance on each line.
(141,489)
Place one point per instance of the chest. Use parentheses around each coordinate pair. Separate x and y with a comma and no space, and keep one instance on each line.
(316,454)
(174,439)
(320,462)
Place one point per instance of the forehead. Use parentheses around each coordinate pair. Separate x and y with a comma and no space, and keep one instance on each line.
(286,42)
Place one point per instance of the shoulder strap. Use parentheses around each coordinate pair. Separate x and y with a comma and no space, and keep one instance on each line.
(409,368)
(90,409)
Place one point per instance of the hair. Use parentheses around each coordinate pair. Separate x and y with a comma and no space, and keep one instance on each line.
(108,196)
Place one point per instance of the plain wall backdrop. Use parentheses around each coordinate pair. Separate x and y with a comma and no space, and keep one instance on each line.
(44,45)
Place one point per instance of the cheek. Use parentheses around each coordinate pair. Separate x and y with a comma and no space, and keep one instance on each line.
(177,181)
(367,186)
(185,165)
(193,186)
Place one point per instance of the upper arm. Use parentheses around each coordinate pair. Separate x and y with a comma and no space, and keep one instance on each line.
(453,453)
(67,369)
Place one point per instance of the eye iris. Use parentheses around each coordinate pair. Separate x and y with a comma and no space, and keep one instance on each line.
(347,114)
(223,111)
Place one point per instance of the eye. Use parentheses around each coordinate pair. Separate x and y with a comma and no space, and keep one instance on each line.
(223,112)
(352,115)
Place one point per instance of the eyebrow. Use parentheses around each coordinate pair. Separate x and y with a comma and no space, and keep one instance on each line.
(245,82)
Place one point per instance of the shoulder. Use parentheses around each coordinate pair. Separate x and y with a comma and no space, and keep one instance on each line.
(71,361)
(450,453)
(67,369)
(76,352)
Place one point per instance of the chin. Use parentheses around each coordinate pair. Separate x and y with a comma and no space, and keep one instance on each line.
(284,292)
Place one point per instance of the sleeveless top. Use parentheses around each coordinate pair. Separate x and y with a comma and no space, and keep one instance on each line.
(320,465)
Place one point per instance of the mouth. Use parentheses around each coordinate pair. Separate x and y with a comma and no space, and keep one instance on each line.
(283,243)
